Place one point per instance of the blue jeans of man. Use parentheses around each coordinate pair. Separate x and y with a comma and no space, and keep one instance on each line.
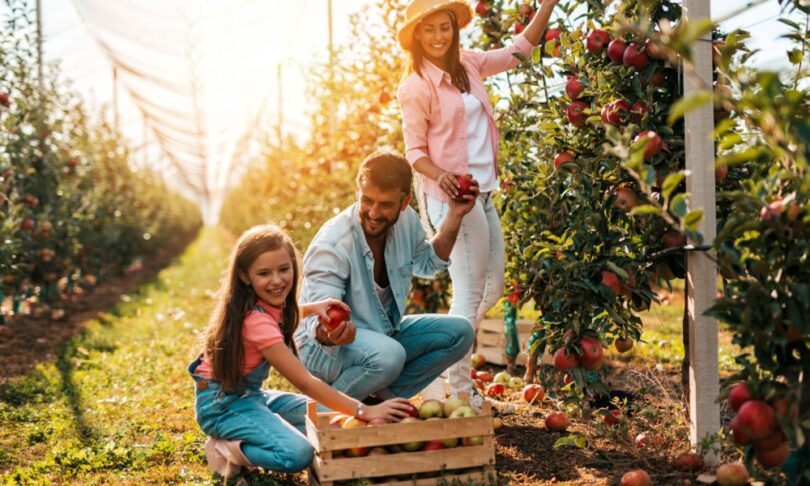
(398,365)
(269,422)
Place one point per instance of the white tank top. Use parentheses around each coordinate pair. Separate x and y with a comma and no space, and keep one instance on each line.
(479,145)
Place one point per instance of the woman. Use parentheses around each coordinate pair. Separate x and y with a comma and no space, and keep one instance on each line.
(450,131)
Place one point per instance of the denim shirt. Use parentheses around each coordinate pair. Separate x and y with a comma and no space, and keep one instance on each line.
(339,264)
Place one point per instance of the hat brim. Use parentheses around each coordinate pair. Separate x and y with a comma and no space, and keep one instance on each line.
(461,9)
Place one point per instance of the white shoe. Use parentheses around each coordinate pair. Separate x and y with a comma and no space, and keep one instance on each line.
(477,403)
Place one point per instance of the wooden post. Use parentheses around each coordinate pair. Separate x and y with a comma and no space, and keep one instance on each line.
(701,276)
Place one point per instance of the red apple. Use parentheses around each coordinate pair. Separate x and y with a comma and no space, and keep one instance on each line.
(611,280)
(647,439)
(784,406)
(732,475)
(688,461)
(740,437)
(525,9)
(557,421)
(564,360)
(757,419)
(616,113)
(485,376)
(653,147)
(533,393)
(636,477)
(623,345)
(592,355)
(337,315)
(615,50)
(27,224)
(495,390)
(466,183)
(561,159)
(573,87)
(433,445)
(720,173)
(478,361)
(625,200)
(4,99)
(738,395)
(481,8)
(519,27)
(576,113)
(596,41)
(612,417)
(634,56)
(673,238)
(638,110)
(554,35)
(771,442)
(412,412)
(771,458)
(654,49)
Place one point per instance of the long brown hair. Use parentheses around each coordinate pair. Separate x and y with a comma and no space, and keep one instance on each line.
(223,338)
(458,74)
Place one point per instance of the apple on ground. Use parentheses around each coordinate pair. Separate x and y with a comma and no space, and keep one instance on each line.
(688,461)
(612,417)
(648,439)
(462,412)
(478,361)
(502,377)
(451,404)
(485,376)
(495,390)
(515,382)
(497,423)
(431,408)
(557,421)
(533,393)
(337,315)
(636,477)
(734,474)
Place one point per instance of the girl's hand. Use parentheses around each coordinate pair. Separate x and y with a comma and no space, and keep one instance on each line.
(319,308)
(392,410)
(448,183)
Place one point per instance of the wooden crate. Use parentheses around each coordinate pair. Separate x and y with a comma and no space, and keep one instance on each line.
(423,468)
(491,341)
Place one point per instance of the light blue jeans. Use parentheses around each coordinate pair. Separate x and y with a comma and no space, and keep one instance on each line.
(476,270)
(398,365)
(270,423)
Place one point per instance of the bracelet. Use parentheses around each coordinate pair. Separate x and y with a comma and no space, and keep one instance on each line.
(360,410)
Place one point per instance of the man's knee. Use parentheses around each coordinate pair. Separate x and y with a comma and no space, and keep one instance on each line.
(388,359)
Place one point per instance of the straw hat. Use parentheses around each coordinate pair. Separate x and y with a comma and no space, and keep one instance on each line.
(417,10)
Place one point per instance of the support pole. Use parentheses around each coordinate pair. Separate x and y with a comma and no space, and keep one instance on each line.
(115,98)
(40,77)
(280,120)
(701,277)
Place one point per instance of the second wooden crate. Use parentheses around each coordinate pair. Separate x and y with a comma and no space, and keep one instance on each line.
(491,341)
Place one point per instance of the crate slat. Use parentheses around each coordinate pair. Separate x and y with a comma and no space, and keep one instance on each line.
(404,463)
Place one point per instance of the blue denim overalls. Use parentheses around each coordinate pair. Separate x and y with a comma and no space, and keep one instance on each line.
(269,422)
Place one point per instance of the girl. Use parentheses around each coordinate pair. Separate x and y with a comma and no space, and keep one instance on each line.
(449,130)
(251,330)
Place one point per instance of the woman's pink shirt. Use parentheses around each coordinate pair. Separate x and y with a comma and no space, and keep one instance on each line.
(433,118)
(260,330)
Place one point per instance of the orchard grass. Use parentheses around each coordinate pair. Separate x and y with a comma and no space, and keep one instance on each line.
(117,406)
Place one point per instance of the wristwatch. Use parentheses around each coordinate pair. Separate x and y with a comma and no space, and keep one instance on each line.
(360,411)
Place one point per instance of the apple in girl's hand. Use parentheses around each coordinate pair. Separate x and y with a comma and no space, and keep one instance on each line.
(412,411)
(466,183)
(336,314)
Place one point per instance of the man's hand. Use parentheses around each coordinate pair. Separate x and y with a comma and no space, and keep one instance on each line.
(339,336)
(458,208)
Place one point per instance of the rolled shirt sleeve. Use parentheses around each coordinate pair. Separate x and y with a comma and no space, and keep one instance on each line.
(326,272)
(426,263)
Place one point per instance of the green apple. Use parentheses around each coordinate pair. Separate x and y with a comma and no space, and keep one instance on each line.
(463,411)
(502,378)
(515,382)
(453,403)
(431,408)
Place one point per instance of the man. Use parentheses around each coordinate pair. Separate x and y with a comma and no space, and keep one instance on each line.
(366,256)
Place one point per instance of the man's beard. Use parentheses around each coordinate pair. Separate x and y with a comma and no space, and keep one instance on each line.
(379,229)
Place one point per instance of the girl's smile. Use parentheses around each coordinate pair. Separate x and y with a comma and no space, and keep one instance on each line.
(271,276)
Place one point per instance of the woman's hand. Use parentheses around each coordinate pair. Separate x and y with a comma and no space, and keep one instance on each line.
(448,184)
(392,410)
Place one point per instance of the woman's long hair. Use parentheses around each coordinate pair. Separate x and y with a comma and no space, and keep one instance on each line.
(453,57)
(223,338)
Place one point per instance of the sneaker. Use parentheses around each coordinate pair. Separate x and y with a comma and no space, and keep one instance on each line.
(477,403)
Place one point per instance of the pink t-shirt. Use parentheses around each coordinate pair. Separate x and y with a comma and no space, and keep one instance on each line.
(260,330)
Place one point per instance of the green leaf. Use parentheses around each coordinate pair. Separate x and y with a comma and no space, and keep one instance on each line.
(671,183)
(795,56)
(693,219)
(645,209)
(574,440)
(790,23)
(696,29)
(678,205)
(687,104)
